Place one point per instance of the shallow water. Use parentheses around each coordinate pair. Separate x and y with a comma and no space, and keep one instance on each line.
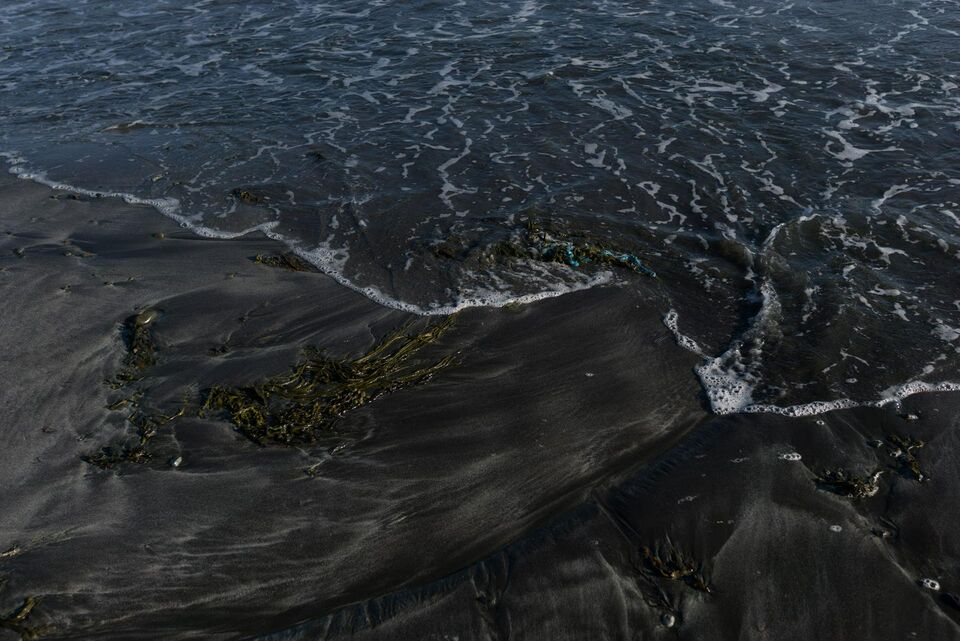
(790,169)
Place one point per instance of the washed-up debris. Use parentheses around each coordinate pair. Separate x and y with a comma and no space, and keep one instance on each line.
(790,456)
(664,560)
(545,241)
(903,449)
(17,621)
(294,408)
(11,552)
(147,427)
(248,197)
(141,347)
(285,260)
(844,483)
(141,354)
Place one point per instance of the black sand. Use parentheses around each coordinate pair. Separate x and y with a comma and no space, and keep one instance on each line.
(512,496)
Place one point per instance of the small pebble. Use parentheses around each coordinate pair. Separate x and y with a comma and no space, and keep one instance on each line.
(668,620)
(790,456)
(177,462)
(930,584)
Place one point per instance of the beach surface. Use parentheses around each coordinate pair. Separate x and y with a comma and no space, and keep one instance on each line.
(561,478)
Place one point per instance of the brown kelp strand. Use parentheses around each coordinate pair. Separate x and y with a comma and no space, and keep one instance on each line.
(141,348)
(295,408)
(286,260)
(845,483)
(664,560)
(17,621)
(546,241)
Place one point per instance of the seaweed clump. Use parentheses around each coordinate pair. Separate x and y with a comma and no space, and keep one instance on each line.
(540,241)
(667,561)
(147,426)
(248,197)
(844,483)
(295,408)
(141,348)
(903,450)
(16,621)
(660,565)
(141,354)
(664,560)
(286,260)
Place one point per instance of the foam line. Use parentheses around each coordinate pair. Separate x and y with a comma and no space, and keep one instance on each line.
(324,258)
(730,394)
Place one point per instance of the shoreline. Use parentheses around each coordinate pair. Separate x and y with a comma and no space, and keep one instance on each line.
(169,208)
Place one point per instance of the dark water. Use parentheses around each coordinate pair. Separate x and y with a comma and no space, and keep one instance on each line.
(790,169)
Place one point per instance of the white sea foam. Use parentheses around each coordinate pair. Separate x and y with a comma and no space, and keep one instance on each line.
(169,207)
(329,260)
(730,389)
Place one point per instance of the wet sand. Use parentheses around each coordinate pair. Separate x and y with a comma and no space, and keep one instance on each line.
(511,496)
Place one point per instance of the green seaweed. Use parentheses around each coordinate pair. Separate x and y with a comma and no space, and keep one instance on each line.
(248,197)
(844,483)
(130,401)
(664,560)
(545,241)
(147,426)
(295,408)
(141,348)
(286,260)
(141,354)
(17,621)
(903,450)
